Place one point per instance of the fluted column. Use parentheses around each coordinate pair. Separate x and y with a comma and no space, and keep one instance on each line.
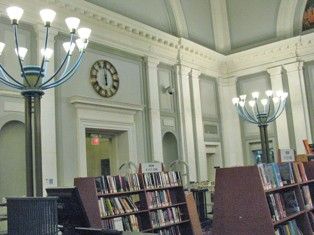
(281,122)
(186,120)
(230,123)
(198,126)
(48,116)
(154,109)
(299,107)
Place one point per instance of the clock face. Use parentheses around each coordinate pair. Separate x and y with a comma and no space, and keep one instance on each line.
(104,78)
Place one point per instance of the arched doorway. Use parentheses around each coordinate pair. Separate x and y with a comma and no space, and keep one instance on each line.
(12,160)
(170,148)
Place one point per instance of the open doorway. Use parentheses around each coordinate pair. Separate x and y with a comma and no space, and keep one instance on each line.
(106,150)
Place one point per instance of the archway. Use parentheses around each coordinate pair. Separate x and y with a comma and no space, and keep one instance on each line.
(170,148)
(12,159)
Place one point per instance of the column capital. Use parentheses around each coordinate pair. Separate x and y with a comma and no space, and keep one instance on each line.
(228,81)
(195,73)
(274,71)
(151,61)
(295,66)
(185,70)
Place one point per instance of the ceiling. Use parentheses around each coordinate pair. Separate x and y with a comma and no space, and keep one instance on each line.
(226,26)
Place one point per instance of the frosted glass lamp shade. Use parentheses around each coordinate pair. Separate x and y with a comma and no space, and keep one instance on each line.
(269,93)
(264,101)
(81,44)
(21,51)
(84,33)
(68,47)
(72,23)
(275,100)
(47,53)
(242,97)
(252,103)
(235,100)
(15,13)
(255,95)
(2,45)
(47,16)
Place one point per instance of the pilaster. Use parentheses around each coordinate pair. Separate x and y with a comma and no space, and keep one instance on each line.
(297,97)
(48,118)
(186,120)
(154,108)
(230,123)
(275,74)
(198,126)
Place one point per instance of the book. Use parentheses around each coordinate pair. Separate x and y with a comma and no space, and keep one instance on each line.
(302,171)
(307,147)
(307,196)
(291,202)
(118,224)
(286,173)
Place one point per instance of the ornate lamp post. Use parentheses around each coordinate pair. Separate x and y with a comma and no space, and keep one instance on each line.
(34,82)
(262,112)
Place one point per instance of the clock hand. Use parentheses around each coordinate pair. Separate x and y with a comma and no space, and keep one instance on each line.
(106,80)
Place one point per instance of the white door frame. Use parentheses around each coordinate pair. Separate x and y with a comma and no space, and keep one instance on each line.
(102,116)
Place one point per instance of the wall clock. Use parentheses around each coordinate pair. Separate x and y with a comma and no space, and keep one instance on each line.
(104,78)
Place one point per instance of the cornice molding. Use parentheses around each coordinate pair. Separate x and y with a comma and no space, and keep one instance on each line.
(117,31)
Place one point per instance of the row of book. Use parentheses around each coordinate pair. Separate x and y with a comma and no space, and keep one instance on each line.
(126,223)
(162,179)
(283,204)
(165,216)
(173,230)
(116,206)
(118,183)
(289,228)
(158,198)
(275,175)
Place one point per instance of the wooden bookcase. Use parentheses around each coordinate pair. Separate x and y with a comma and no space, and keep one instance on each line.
(241,207)
(90,196)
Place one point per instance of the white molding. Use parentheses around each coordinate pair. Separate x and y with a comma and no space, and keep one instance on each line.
(92,103)
(285,18)
(220,25)
(13,94)
(117,31)
(102,117)
(178,14)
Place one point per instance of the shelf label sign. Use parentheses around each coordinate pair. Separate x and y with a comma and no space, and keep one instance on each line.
(151,167)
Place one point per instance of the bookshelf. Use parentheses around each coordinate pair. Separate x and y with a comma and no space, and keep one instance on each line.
(148,206)
(243,205)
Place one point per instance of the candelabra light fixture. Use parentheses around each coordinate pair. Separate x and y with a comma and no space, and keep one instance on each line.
(261,112)
(34,81)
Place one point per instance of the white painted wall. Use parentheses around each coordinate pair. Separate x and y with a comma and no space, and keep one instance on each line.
(124,43)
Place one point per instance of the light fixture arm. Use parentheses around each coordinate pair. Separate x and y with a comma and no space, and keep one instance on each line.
(43,59)
(18,54)
(66,77)
(61,66)
(6,74)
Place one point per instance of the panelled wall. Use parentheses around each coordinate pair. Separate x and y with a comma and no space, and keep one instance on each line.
(174,100)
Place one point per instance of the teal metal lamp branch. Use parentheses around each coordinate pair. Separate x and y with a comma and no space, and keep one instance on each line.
(261,112)
(34,81)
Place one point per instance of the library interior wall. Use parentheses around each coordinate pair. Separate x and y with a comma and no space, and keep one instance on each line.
(178,61)
(130,93)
